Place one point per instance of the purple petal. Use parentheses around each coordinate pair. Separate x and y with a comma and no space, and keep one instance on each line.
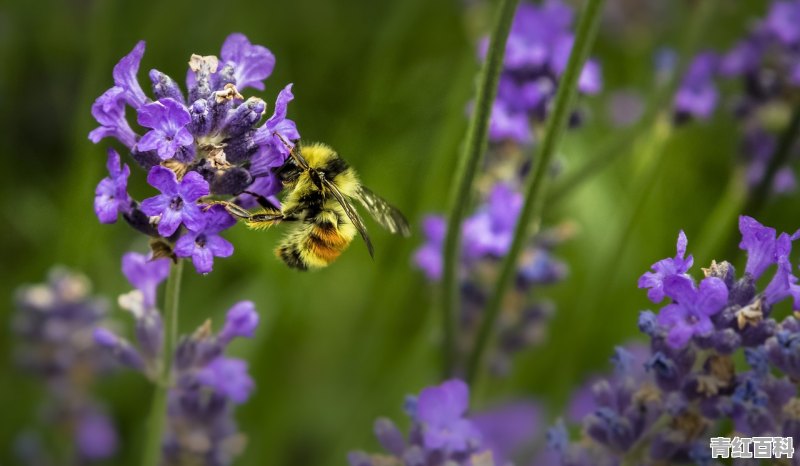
(281,107)
(176,113)
(185,245)
(218,219)
(679,335)
(169,222)
(125,76)
(165,180)
(712,296)
(192,216)
(154,205)
(759,242)
(193,186)
(680,289)
(252,63)
(152,140)
(219,246)
(203,260)
(671,315)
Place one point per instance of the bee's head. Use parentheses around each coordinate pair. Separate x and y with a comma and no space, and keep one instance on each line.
(288,172)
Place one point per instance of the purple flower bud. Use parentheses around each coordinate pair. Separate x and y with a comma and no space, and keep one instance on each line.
(120,348)
(241,321)
(165,87)
(228,377)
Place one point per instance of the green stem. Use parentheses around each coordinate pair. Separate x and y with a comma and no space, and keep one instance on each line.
(531,210)
(158,409)
(664,93)
(468,163)
(761,192)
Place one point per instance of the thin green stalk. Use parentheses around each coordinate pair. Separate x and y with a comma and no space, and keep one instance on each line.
(531,210)
(664,93)
(468,163)
(158,409)
(761,193)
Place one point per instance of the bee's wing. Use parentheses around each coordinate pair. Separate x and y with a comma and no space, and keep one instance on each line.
(351,213)
(383,212)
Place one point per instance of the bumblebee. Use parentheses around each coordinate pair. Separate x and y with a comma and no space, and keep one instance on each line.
(320,185)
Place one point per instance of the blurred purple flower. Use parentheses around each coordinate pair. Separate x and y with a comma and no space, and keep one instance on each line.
(145,274)
(697,95)
(241,321)
(441,411)
(429,256)
(229,377)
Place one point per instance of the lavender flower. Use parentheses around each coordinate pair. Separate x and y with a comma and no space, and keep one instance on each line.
(536,55)
(54,322)
(697,95)
(205,244)
(765,63)
(664,268)
(209,140)
(440,433)
(168,135)
(177,202)
(691,389)
(111,195)
(206,384)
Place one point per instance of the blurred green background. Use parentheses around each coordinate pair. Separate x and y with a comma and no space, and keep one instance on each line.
(387,84)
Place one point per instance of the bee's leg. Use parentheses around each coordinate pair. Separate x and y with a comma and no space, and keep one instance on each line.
(233,209)
(263,201)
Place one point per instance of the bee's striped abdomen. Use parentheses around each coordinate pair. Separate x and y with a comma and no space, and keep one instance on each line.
(325,242)
(291,256)
(317,241)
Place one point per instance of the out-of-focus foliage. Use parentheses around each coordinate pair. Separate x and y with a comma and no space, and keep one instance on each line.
(387,84)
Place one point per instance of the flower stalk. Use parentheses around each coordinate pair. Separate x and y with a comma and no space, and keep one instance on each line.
(476,144)
(158,409)
(531,210)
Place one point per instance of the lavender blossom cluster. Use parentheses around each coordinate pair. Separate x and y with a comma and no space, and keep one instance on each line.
(662,405)
(538,46)
(442,431)
(766,66)
(537,50)
(209,141)
(54,323)
(205,385)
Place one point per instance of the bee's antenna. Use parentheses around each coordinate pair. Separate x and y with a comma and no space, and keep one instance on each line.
(293,153)
(283,140)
